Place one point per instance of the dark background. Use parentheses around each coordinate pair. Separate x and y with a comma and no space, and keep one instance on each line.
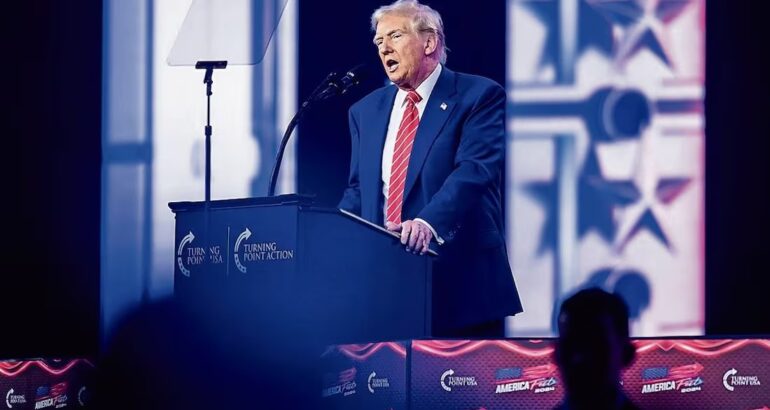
(50,269)
(50,275)
(737,169)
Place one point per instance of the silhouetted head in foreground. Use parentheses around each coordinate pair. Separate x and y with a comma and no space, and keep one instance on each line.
(592,350)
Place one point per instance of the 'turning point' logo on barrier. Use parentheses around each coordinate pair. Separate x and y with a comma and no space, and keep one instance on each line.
(374,382)
(11,398)
(731,379)
(449,380)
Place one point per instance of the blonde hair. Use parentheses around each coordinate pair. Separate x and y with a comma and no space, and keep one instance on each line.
(424,19)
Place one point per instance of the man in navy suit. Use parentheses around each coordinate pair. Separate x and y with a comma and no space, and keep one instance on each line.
(427,159)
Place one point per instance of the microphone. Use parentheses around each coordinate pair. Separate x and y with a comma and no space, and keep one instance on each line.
(352,77)
(340,85)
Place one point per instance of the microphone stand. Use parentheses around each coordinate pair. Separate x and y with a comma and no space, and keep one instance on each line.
(329,87)
(209,66)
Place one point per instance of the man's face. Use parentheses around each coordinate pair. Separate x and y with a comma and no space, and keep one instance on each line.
(402,50)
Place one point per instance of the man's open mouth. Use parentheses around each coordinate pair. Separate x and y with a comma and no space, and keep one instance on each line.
(392,65)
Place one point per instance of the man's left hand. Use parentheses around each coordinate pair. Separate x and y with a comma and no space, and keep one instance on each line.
(414,234)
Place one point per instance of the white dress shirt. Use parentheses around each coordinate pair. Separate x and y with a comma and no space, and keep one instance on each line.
(396,113)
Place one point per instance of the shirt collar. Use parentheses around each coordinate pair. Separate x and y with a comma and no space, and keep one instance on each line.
(424,89)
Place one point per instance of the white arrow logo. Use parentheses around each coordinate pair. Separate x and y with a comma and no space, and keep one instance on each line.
(369,382)
(731,372)
(187,239)
(80,396)
(242,237)
(444,376)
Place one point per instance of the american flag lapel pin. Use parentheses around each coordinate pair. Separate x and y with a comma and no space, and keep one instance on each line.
(443,106)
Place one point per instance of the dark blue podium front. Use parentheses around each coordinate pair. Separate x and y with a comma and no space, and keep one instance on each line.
(314,270)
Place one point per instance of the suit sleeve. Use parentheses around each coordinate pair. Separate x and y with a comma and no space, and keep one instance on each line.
(351,198)
(477,166)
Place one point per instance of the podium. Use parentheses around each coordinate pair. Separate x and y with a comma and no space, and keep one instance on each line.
(311,271)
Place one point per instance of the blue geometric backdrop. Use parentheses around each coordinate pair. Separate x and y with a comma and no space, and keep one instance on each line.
(606,171)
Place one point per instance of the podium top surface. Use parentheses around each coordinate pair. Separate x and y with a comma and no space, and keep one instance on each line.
(302,200)
(305,201)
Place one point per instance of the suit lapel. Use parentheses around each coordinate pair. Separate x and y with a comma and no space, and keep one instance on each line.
(437,111)
(376,127)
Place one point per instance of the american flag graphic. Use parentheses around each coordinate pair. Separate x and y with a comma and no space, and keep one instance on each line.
(516,374)
(660,374)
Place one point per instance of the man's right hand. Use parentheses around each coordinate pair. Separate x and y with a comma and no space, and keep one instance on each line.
(414,234)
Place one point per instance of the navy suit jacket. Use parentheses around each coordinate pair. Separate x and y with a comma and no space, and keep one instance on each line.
(454,183)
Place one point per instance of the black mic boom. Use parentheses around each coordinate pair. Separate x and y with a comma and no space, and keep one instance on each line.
(331,86)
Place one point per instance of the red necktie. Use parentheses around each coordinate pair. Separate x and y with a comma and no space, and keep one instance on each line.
(401,152)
